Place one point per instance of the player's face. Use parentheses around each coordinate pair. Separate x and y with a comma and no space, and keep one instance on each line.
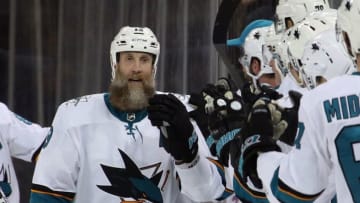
(136,67)
(255,66)
(295,73)
(134,81)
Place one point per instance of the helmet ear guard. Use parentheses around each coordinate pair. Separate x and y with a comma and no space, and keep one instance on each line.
(134,39)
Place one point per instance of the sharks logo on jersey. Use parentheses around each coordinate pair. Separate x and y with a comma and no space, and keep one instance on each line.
(3,198)
(77,100)
(5,186)
(129,182)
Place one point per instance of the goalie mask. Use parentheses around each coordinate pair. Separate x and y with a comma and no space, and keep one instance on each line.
(324,59)
(347,26)
(134,39)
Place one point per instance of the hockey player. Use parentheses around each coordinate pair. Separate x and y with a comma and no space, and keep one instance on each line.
(222,103)
(129,145)
(324,58)
(291,12)
(21,139)
(257,61)
(327,138)
(302,14)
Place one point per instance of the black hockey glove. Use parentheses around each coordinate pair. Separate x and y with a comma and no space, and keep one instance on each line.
(290,115)
(226,117)
(251,94)
(198,114)
(255,138)
(177,133)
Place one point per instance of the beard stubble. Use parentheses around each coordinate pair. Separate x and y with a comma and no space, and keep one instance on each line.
(131,98)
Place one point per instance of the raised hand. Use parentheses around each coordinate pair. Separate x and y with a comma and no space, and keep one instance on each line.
(177,133)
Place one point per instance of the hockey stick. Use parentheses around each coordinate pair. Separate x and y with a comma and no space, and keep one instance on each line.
(222,21)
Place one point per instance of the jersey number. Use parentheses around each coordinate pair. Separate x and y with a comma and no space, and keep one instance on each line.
(300,133)
(348,150)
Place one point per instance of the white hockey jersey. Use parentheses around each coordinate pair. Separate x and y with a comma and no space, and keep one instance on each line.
(98,154)
(18,138)
(328,137)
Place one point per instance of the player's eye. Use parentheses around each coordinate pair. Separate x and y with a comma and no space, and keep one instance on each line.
(145,59)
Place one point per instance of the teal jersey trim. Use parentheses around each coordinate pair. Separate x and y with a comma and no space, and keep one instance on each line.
(220,168)
(245,194)
(225,139)
(286,194)
(334,199)
(355,73)
(129,117)
(45,198)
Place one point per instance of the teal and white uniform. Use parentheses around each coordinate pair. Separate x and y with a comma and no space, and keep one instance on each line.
(328,138)
(98,154)
(18,138)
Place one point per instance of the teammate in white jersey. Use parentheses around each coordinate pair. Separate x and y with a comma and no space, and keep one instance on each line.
(18,138)
(106,148)
(328,136)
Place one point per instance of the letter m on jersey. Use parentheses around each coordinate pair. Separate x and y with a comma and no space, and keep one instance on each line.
(342,108)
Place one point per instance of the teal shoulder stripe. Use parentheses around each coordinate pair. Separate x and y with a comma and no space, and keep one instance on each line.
(285,194)
(45,198)
(245,194)
(220,168)
(334,199)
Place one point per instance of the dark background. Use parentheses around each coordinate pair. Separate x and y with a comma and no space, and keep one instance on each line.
(54,50)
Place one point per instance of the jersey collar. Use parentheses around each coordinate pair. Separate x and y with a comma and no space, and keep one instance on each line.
(129,117)
(356,73)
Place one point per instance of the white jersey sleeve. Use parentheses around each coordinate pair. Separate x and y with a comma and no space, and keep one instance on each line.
(18,138)
(327,139)
(22,136)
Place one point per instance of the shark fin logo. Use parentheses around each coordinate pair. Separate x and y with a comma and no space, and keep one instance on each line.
(5,187)
(129,182)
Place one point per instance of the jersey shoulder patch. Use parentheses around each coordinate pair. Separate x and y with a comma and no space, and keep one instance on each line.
(74,112)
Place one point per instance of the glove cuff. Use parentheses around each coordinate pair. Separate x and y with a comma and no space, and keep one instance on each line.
(184,165)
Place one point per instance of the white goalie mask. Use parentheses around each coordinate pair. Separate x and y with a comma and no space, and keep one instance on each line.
(324,59)
(297,37)
(134,39)
(348,31)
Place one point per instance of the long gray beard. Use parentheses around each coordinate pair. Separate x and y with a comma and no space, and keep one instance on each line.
(134,99)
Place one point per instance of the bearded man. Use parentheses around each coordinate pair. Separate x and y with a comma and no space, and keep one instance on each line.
(132,144)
